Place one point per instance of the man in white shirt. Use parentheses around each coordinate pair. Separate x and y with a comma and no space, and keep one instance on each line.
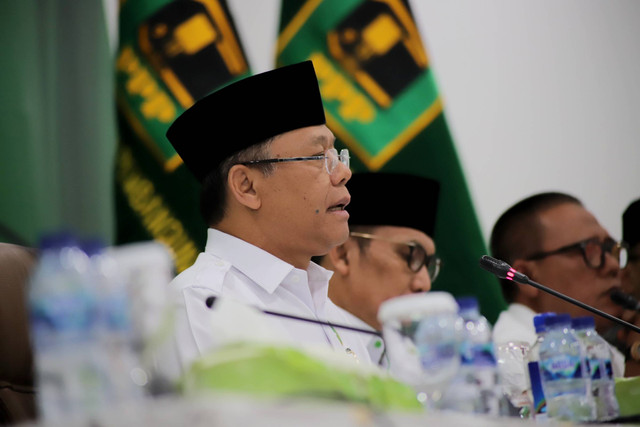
(389,251)
(555,241)
(274,195)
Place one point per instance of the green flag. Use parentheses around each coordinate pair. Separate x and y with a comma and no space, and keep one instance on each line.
(381,101)
(57,120)
(171,54)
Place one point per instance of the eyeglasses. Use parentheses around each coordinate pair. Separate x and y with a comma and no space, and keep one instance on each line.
(331,159)
(593,251)
(417,257)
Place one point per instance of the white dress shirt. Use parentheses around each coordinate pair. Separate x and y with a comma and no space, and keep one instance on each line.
(516,324)
(232,268)
(374,343)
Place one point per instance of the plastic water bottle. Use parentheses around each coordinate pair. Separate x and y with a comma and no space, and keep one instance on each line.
(563,371)
(148,268)
(598,356)
(539,410)
(68,367)
(126,378)
(475,388)
(419,333)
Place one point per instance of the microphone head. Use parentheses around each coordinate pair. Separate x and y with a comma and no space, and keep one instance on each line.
(624,300)
(495,266)
(502,270)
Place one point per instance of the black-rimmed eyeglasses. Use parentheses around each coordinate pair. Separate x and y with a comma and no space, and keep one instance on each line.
(331,159)
(417,257)
(593,251)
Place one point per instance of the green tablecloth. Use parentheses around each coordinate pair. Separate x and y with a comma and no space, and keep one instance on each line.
(279,371)
(628,394)
(283,371)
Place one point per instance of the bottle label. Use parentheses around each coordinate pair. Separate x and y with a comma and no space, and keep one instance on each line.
(68,316)
(608,368)
(477,354)
(600,368)
(539,402)
(436,356)
(561,367)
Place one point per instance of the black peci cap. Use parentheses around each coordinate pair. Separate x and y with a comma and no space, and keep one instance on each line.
(394,199)
(631,224)
(245,113)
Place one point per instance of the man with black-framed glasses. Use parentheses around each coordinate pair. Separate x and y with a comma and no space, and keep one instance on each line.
(390,250)
(274,195)
(556,241)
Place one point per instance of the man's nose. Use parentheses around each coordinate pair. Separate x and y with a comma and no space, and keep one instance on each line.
(341,174)
(421,281)
(611,266)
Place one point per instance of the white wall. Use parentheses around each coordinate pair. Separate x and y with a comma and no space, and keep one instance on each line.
(539,95)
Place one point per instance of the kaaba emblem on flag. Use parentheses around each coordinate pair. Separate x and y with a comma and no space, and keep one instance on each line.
(193,47)
(379,46)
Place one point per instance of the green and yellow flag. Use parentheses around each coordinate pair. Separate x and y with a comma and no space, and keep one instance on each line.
(381,101)
(171,54)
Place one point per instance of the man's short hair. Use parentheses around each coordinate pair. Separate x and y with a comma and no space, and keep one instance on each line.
(517,233)
(213,194)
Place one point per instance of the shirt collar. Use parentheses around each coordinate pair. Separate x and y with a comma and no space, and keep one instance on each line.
(263,268)
(319,285)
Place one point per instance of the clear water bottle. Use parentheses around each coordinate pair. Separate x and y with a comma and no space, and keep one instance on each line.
(62,309)
(148,269)
(475,387)
(126,378)
(598,355)
(563,371)
(419,333)
(539,409)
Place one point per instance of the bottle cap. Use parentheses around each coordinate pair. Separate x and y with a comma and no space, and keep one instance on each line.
(56,240)
(558,320)
(417,305)
(467,303)
(585,322)
(539,321)
(92,246)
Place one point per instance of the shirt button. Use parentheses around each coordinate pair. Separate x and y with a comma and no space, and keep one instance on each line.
(220,263)
(295,279)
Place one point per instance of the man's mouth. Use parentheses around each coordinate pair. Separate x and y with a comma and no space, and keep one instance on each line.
(341,205)
(338,207)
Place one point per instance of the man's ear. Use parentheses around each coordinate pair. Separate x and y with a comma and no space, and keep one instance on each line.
(241,185)
(339,259)
(526,268)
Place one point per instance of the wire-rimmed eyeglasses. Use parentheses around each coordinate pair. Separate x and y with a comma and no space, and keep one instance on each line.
(331,159)
(593,251)
(417,257)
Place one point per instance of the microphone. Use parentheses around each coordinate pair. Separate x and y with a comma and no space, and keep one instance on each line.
(210,301)
(625,300)
(504,271)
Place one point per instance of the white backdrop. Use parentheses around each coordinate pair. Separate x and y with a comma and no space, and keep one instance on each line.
(539,95)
